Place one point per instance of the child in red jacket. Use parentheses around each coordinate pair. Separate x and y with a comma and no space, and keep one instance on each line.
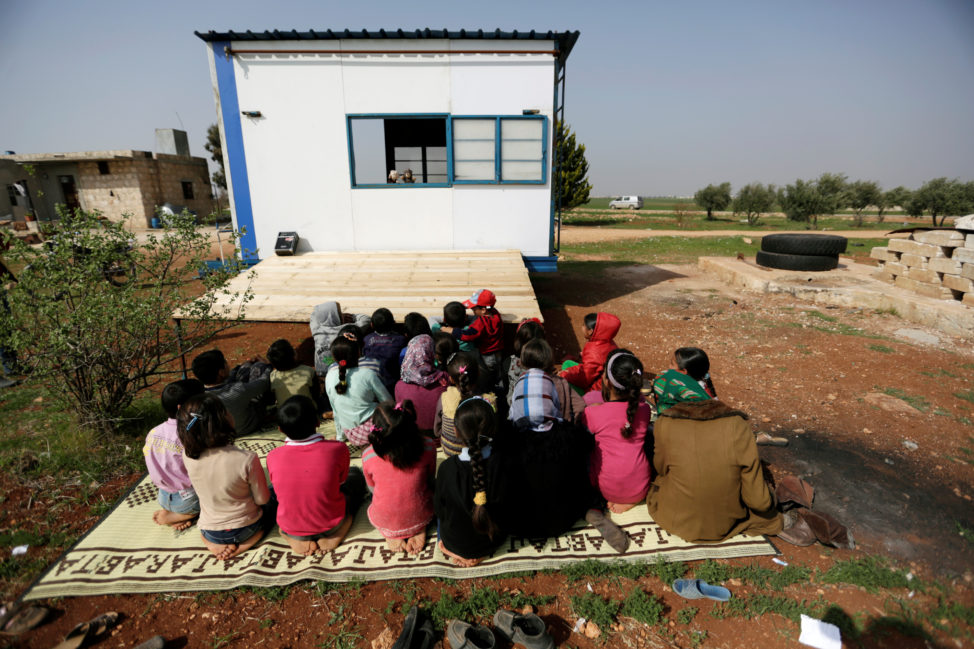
(600,329)
(487,331)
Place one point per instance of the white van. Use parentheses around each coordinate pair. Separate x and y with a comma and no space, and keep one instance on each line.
(626,202)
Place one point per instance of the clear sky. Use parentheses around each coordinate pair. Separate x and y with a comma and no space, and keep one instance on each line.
(667,96)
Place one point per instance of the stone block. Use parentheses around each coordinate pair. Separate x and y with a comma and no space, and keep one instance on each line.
(946,238)
(894,268)
(916,248)
(882,253)
(969,241)
(965,255)
(911,260)
(924,275)
(883,275)
(968,299)
(967,271)
(956,283)
(905,282)
(944,265)
(936,292)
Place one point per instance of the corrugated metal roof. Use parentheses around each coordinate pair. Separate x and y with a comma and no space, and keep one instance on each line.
(565,40)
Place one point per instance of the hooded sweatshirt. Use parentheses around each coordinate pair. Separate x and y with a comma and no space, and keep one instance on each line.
(326,321)
(588,374)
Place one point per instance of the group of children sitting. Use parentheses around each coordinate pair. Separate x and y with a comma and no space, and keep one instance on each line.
(530,448)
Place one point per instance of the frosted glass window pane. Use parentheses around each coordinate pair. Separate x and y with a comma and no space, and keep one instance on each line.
(473,150)
(466,129)
(521,128)
(473,170)
(521,150)
(521,171)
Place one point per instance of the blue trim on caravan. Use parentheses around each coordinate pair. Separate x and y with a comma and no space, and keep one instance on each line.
(541,264)
(234,144)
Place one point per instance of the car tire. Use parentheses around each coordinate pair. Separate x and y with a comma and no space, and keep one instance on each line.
(797,262)
(804,244)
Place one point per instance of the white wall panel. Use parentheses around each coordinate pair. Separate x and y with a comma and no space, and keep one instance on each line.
(403,218)
(502,216)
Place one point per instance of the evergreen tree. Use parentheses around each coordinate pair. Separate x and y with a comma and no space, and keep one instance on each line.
(215,147)
(573,187)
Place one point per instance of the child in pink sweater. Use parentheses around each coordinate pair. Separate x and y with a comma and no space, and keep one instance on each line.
(619,466)
(400,469)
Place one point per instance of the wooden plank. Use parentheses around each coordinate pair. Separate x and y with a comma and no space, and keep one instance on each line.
(286,289)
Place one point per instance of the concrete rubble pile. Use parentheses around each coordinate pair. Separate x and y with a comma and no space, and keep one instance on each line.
(934,263)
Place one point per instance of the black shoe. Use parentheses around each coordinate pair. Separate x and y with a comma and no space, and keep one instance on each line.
(405,639)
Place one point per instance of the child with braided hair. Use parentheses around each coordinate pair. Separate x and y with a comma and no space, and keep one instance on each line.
(620,466)
(354,391)
(464,374)
(400,469)
(470,486)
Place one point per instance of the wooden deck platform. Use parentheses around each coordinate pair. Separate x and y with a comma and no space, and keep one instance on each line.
(286,289)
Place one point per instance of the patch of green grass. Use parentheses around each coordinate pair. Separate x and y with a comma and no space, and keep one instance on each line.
(870,573)
(713,572)
(686,615)
(821,316)
(662,250)
(762,604)
(223,640)
(270,593)
(596,569)
(596,609)
(882,349)
(266,623)
(641,607)
(667,571)
(937,373)
(967,395)
(479,605)
(761,577)
(37,440)
(697,638)
(965,532)
(890,311)
(916,401)
(343,639)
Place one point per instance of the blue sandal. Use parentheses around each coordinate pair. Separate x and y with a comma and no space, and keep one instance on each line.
(698,588)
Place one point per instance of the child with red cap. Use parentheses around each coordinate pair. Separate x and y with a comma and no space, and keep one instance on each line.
(487,330)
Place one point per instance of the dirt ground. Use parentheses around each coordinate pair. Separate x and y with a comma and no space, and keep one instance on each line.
(879,422)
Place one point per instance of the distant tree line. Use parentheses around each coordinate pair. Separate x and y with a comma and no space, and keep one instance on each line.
(805,200)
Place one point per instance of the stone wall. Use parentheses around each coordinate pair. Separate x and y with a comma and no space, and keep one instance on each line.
(935,263)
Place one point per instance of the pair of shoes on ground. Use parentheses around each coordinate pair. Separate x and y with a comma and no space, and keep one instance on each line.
(526,630)
(803,526)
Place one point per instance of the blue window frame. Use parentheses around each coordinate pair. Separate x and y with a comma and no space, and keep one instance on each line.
(437,150)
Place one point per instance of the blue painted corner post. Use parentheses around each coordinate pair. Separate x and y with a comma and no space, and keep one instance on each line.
(234,147)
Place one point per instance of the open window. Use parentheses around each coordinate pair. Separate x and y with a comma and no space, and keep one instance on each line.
(414,147)
(440,150)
